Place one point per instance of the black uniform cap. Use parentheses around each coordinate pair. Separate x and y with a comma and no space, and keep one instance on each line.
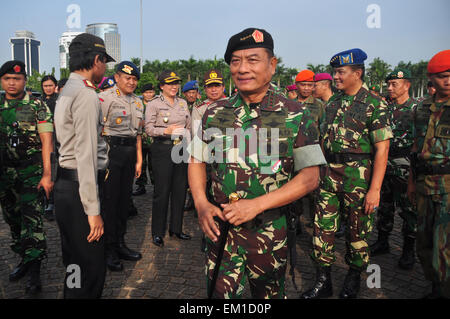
(86,42)
(13,67)
(248,39)
(147,87)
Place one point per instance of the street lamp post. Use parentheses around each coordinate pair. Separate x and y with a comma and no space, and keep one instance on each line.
(142,40)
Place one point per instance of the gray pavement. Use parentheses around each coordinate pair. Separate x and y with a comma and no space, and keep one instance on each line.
(177,270)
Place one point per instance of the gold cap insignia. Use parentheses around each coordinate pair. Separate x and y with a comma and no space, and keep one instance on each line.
(127,69)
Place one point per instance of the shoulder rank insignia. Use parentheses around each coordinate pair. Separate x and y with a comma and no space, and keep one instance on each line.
(118,92)
(89,84)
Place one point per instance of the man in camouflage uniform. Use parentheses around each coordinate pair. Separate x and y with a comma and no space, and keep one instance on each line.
(305,86)
(355,133)
(256,244)
(431,172)
(26,142)
(393,191)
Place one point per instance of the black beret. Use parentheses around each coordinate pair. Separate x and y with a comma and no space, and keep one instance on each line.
(248,39)
(129,68)
(13,67)
(147,87)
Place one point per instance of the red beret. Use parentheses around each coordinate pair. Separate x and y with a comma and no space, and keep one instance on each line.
(323,76)
(440,62)
(305,76)
(292,87)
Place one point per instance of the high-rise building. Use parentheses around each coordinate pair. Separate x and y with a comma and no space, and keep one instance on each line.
(25,48)
(109,32)
(64,43)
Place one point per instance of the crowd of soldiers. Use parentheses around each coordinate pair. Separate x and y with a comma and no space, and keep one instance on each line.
(334,148)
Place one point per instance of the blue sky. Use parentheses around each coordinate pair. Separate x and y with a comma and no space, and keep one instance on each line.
(303,31)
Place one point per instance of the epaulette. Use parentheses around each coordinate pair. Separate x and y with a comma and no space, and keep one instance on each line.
(89,84)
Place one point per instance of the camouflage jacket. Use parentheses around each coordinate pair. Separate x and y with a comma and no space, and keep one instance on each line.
(21,122)
(352,124)
(292,144)
(316,107)
(146,139)
(402,123)
(432,138)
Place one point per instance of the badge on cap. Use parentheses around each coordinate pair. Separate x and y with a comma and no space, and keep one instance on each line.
(17,69)
(258,36)
(127,69)
(400,74)
(173,74)
(213,75)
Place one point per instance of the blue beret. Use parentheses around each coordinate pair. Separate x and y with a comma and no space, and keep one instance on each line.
(129,68)
(193,85)
(349,57)
(107,83)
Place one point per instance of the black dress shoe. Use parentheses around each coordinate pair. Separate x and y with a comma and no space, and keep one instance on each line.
(140,191)
(20,271)
(34,281)
(181,236)
(125,253)
(113,263)
(158,241)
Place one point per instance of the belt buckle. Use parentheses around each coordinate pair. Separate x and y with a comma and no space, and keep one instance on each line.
(176,141)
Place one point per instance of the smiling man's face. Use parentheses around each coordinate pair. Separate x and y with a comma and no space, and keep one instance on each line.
(252,70)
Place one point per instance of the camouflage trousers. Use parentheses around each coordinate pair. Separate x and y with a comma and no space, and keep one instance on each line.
(433,238)
(22,211)
(394,195)
(260,256)
(331,208)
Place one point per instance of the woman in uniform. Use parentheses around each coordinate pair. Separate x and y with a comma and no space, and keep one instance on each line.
(166,118)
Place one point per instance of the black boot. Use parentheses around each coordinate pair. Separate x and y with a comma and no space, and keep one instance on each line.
(34,280)
(140,190)
(323,287)
(341,231)
(125,253)
(48,213)
(407,259)
(351,286)
(381,246)
(112,260)
(20,271)
(435,292)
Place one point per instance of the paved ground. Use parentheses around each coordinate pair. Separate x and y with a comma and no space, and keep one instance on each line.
(176,271)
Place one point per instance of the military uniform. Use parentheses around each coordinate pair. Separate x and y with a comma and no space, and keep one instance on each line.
(21,122)
(170,177)
(432,133)
(123,121)
(393,192)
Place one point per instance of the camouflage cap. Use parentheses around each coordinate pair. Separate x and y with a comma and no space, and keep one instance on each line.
(399,73)
(248,39)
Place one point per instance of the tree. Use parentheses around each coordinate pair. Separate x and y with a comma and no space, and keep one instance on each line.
(377,72)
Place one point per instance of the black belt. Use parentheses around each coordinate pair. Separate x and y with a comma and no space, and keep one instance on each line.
(167,140)
(399,152)
(433,169)
(72,174)
(121,141)
(341,158)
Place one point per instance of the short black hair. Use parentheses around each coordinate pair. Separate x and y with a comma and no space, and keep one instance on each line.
(62,82)
(84,60)
(430,84)
(355,67)
(48,78)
